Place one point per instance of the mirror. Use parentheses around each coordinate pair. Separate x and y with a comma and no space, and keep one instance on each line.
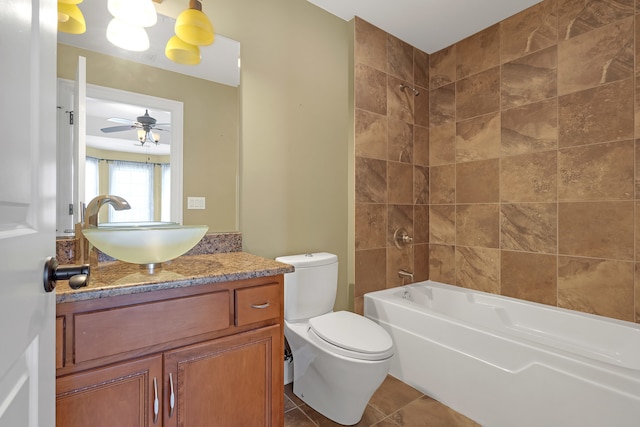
(117,111)
(210,124)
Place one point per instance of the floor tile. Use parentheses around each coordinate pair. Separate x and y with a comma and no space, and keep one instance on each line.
(392,395)
(288,404)
(370,417)
(387,422)
(288,392)
(297,418)
(426,412)
(394,404)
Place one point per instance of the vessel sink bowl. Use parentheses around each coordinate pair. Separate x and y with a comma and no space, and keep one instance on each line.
(137,224)
(145,244)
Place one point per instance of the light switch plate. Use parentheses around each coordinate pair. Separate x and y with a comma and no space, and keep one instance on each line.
(195,203)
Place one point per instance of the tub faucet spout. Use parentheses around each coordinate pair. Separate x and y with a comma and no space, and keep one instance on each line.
(404,274)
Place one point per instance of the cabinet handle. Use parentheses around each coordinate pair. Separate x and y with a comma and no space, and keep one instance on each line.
(172,396)
(265,305)
(155,400)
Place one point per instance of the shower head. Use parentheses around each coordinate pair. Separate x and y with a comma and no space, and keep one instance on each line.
(414,90)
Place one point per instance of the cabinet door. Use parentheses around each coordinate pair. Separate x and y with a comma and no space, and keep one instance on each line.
(123,395)
(234,381)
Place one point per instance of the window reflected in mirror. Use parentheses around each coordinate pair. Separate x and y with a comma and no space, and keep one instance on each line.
(146,185)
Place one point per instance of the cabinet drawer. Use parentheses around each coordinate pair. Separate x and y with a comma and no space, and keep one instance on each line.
(258,303)
(108,332)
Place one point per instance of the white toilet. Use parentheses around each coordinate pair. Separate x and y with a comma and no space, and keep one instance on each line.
(339,358)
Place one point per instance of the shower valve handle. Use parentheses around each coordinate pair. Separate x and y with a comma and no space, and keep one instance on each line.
(401,238)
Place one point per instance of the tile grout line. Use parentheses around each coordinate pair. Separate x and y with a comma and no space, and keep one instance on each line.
(388,417)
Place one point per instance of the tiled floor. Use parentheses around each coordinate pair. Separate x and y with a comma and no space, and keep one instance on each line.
(393,404)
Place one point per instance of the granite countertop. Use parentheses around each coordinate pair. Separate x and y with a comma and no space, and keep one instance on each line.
(115,278)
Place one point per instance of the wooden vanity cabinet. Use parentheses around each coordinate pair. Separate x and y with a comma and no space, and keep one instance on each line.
(224,382)
(117,395)
(211,355)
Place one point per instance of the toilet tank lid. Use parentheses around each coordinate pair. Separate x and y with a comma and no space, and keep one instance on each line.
(309,260)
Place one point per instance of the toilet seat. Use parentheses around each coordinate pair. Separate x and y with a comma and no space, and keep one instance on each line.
(351,335)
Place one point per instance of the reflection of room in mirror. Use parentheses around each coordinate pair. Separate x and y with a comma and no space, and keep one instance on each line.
(123,119)
(210,129)
(148,176)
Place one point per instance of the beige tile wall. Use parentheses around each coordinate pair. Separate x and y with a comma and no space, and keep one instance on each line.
(392,159)
(525,184)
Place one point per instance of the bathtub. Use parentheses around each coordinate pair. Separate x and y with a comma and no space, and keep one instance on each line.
(507,362)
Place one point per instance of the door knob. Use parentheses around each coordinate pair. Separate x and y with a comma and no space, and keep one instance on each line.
(77,275)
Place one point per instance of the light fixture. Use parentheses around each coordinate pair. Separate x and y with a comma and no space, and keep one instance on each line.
(182,52)
(193,26)
(146,135)
(70,18)
(126,30)
(140,13)
(127,36)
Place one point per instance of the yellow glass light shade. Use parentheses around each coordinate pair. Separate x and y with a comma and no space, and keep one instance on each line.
(125,36)
(141,13)
(181,52)
(194,27)
(70,19)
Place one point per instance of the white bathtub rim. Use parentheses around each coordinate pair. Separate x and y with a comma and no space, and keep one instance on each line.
(517,301)
(532,344)
(483,399)
(605,361)
(625,379)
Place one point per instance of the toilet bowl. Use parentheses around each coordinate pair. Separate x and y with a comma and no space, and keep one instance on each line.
(339,358)
(334,380)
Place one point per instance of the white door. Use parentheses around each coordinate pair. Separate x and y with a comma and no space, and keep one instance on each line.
(79,137)
(27,211)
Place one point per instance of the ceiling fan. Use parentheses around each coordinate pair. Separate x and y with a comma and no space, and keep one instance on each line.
(145,124)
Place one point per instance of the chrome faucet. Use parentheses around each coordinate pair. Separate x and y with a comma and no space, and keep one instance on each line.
(404,274)
(91,220)
(91,212)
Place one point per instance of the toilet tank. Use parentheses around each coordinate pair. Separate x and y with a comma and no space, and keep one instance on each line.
(311,289)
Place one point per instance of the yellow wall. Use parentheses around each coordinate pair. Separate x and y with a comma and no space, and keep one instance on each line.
(211,127)
(294,100)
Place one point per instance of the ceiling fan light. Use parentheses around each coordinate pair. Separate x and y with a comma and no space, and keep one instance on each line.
(126,36)
(70,19)
(181,52)
(141,13)
(142,135)
(193,26)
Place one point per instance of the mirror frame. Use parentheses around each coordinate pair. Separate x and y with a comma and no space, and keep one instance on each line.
(151,102)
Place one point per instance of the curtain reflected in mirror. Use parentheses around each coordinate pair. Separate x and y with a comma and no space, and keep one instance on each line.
(146,186)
